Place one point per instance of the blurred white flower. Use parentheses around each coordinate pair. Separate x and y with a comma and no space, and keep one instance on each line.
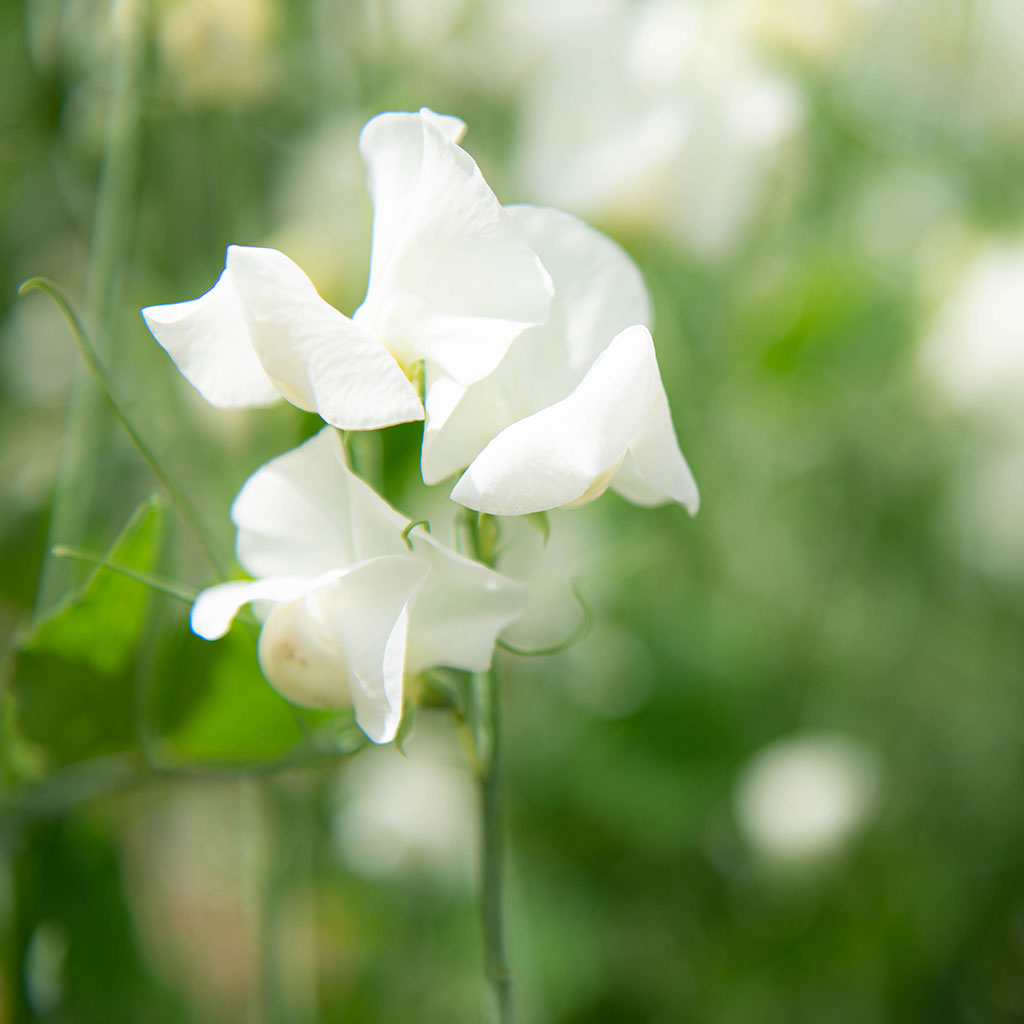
(577,404)
(508,42)
(452,281)
(973,357)
(974,350)
(951,73)
(400,812)
(804,797)
(660,118)
(349,608)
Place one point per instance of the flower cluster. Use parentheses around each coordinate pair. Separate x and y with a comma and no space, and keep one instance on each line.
(530,333)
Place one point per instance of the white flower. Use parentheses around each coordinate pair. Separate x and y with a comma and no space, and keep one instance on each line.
(973,357)
(657,117)
(452,281)
(974,352)
(410,813)
(351,608)
(576,406)
(803,797)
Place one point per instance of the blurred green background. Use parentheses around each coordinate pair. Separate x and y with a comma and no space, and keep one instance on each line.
(779,780)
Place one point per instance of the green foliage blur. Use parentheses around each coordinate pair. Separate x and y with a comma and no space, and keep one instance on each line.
(170,850)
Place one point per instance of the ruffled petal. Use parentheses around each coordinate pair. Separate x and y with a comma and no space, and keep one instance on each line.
(316,357)
(569,452)
(654,470)
(307,512)
(216,607)
(209,343)
(462,608)
(365,611)
(460,421)
(598,288)
(291,513)
(599,291)
(452,279)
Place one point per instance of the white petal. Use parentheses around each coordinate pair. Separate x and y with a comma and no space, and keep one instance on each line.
(299,659)
(452,279)
(209,343)
(654,470)
(316,357)
(599,291)
(306,513)
(466,347)
(460,611)
(568,452)
(460,421)
(614,429)
(216,607)
(453,127)
(365,610)
(598,288)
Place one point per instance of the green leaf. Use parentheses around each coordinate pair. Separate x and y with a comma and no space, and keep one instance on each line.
(70,677)
(232,713)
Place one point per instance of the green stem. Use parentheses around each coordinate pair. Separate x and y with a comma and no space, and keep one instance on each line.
(99,375)
(492,859)
(76,473)
(178,591)
(482,532)
(80,784)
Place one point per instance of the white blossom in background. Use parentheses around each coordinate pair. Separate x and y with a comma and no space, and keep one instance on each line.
(661,118)
(972,356)
(452,283)
(348,608)
(804,797)
(997,62)
(950,70)
(973,352)
(400,813)
(508,43)
(577,404)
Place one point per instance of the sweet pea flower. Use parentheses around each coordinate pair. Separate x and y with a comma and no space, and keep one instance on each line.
(576,406)
(452,282)
(658,117)
(348,607)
